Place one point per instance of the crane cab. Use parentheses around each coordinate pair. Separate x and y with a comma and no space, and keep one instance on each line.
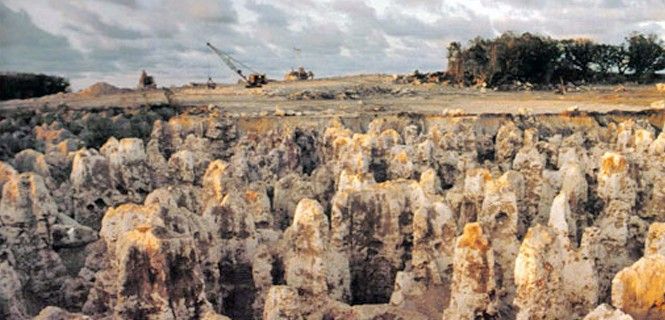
(255,80)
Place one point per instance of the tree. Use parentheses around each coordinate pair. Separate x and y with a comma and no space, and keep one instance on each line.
(621,59)
(476,60)
(455,61)
(542,60)
(646,55)
(527,57)
(579,54)
(609,59)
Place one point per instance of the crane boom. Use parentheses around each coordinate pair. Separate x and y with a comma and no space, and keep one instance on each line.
(242,64)
(228,60)
(252,80)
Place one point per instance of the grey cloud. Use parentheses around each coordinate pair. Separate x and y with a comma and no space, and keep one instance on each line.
(88,22)
(127,3)
(269,14)
(26,48)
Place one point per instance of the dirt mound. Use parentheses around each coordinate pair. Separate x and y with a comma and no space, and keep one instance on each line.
(100,89)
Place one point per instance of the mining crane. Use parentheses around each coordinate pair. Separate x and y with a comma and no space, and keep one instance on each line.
(253,80)
(300,73)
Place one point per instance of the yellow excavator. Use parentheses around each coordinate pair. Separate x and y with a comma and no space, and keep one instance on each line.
(252,80)
(299,74)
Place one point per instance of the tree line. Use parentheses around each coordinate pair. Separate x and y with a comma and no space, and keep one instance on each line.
(28,85)
(542,60)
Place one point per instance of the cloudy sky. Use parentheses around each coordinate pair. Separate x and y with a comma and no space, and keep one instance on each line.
(112,40)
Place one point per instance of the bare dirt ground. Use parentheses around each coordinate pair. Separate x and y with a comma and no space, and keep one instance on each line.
(372,93)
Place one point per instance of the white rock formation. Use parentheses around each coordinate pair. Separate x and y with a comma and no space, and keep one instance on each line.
(473,284)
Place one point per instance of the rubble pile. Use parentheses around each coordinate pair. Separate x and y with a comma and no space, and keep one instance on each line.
(393,217)
(418,77)
(352,93)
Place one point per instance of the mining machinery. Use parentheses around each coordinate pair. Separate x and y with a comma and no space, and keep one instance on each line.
(252,80)
(299,74)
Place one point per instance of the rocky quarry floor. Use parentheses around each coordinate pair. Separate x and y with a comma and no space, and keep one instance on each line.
(186,212)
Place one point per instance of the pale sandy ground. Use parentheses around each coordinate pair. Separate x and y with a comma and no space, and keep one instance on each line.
(427,98)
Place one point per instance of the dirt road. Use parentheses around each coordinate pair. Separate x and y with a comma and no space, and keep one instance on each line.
(376,93)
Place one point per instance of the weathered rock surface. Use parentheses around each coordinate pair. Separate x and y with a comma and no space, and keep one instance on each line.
(655,240)
(639,289)
(377,216)
(554,281)
(606,312)
(27,217)
(150,248)
(55,313)
(473,283)
(312,266)
(12,302)
(92,187)
(200,214)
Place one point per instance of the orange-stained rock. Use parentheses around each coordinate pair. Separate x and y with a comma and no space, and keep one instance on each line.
(27,215)
(614,182)
(312,265)
(508,142)
(472,292)
(499,219)
(655,240)
(639,290)
(52,313)
(538,277)
(6,173)
(128,167)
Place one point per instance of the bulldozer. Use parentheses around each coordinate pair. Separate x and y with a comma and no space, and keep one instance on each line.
(299,74)
(252,80)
